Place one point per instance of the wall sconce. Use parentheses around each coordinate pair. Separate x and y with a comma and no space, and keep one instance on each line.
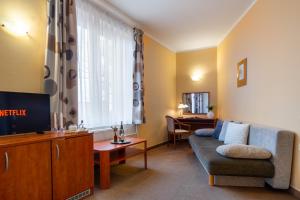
(15,28)
(197,75)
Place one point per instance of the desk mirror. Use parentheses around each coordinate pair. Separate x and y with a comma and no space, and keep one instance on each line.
(197,102)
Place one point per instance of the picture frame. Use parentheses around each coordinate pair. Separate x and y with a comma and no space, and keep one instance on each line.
(242,73)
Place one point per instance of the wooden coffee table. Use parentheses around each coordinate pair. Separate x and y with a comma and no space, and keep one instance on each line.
(116,153)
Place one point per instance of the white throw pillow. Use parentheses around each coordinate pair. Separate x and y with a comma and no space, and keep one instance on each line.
(236,133)
(223,131)
(243,151)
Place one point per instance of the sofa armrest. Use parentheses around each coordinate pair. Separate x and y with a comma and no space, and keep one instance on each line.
(280,143)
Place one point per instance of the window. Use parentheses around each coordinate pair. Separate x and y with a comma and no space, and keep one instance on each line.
(105,68)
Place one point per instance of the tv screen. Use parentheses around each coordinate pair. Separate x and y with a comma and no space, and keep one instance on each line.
(24,113)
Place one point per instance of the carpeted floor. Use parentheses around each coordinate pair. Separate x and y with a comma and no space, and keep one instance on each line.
(174,174)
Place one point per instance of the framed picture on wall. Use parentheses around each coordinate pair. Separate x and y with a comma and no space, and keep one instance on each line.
(242,73)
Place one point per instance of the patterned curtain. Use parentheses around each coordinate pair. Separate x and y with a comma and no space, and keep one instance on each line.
(60,76)
(138,78)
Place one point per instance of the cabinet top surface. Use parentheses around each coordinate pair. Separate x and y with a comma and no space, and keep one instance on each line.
(12,140)
(107,146)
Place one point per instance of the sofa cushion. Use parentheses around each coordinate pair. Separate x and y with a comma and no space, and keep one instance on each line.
(215,164)
(205,132)
(219,165)
(224,128)
(204,141)
(218,129)
(243,151)
(236,133)
(223,131)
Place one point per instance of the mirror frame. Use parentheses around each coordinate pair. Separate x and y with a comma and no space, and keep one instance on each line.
(188,113)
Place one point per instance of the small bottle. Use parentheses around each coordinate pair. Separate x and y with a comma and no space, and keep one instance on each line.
(115,137)
(115,130)
(121,132)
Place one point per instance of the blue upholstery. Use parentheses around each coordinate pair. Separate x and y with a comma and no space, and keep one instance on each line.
(218,129)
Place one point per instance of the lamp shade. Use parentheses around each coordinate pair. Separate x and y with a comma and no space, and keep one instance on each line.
(182,106)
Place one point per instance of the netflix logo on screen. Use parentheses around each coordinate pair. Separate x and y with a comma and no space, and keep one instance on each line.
(24,113)
(16,113)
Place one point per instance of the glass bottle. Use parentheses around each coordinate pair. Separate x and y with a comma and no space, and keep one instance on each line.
(122,133)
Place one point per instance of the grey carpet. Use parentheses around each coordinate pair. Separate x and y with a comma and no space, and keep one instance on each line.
(174,174)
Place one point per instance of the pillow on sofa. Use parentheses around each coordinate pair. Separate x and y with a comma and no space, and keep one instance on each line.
(243,151)
(223,131)
(205,132)
(236,133)
(224,128)
(218,129)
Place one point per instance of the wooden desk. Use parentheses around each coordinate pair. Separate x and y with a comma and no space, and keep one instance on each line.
(116,153)
(197,122)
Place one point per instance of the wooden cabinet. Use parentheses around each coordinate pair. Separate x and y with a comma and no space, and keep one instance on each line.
(25,172)
(197,122)
(49,166)
(72,164)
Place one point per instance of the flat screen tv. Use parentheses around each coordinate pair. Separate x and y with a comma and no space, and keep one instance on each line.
(24,113)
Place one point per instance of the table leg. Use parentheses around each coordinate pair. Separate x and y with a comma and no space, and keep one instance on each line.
(104,170)
(122,153)
(174,140)
(145,154)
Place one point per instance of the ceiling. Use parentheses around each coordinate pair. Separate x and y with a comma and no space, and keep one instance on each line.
(183,25)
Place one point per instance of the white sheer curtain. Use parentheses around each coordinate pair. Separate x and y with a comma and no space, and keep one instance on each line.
(105,62)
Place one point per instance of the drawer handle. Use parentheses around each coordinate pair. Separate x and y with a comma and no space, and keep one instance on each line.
(6,161)
(57,151)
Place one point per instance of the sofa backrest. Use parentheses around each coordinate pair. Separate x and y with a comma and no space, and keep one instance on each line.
(280,143)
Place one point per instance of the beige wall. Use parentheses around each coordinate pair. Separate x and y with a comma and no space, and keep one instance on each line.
(187,63)
(22,58)
(160,90)
(269,36)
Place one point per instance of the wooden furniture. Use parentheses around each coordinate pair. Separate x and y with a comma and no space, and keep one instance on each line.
(46,166)
(197,122)
(72,166)
(176,129)
(116,153)
(25,171)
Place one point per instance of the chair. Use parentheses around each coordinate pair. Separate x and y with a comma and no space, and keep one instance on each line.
(176,129)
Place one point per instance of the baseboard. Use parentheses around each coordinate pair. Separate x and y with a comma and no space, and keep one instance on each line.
(157,145)
(294,192)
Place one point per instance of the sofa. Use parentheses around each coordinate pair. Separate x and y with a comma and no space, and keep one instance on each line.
(275,171)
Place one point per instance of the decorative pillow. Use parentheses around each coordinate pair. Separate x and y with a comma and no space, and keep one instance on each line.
(218,129)
(205,132)
(243,151)
(236,133)
(224,128)
(223,131)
